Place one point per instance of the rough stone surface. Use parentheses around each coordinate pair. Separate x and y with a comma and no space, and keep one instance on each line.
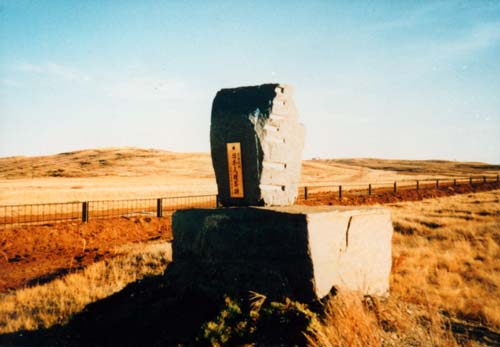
(298,252)
(263,119)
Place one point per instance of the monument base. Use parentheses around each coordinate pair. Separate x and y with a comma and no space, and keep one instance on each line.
(300,252)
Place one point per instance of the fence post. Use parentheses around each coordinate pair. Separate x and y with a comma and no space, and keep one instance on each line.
(159,207)
(395,187)
(484,179)
(454,182)
(305,193)
(497,177)
(418,185)
(340,192)
(437,184)
(370,189)
(470,180)
(85,212)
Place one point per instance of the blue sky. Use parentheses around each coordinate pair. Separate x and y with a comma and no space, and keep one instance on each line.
(387,79)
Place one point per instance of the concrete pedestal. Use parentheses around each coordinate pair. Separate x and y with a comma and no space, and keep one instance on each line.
(298,252)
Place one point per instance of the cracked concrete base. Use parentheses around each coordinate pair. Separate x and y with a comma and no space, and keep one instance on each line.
(297,251)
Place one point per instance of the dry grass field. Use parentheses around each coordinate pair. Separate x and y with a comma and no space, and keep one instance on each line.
(133,173)
(116,173)
(55,302)
(446,254)
(445,269)
(445,276)
(423,167)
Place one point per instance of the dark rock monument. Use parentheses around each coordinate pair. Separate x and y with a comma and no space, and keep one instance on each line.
(259,241)
(256,143)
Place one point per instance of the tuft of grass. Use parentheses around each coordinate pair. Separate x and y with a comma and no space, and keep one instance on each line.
(53,303)
(346,323)
(356,321)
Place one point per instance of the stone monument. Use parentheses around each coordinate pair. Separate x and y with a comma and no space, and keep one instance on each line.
(259,241)
(256,128)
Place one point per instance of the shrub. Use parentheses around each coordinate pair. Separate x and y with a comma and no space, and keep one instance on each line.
(263,322)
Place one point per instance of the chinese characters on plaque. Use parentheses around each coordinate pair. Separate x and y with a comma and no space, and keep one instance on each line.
(234,169)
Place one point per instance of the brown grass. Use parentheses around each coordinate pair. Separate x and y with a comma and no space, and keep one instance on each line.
(425,167)
(127,172)
(347,323)
(445,262)
(352,320)
(42,306)
(445,254)
(445,270)
(107,174)
(445,250)
(119,161)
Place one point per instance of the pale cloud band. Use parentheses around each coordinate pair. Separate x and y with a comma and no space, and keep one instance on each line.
(53,70)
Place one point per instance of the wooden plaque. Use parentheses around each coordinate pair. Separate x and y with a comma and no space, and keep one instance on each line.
(235,170)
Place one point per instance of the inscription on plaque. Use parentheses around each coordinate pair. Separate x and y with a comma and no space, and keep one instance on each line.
(234,169)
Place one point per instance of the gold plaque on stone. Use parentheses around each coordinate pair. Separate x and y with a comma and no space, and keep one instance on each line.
(234,169)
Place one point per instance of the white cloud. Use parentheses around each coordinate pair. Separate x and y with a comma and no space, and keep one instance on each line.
(55,70)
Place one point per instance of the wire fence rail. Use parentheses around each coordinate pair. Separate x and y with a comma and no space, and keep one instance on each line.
(349,190)
(16,215)
(32,214)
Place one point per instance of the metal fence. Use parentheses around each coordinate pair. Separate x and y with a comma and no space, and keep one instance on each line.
(341,191)
(40,213)
(15,215)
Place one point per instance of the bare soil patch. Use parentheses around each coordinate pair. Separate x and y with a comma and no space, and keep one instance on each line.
(36,254)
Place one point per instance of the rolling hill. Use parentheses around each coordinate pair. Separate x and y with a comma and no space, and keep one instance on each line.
(130,161)
(134,173)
